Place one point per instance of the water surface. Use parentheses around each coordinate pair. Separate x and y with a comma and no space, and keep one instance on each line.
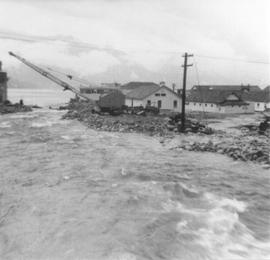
(68,192)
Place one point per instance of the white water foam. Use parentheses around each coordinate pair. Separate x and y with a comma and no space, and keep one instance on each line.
(218,229)
(5,124)
(43,124)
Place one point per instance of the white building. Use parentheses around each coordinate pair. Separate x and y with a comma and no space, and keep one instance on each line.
(216,101)
(259,99)
(151,94)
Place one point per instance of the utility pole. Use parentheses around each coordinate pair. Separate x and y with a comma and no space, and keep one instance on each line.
(183,117)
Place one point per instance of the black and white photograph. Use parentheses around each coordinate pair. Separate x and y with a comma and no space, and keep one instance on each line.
(134,130)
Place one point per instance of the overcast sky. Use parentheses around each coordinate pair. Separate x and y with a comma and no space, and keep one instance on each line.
(91,37)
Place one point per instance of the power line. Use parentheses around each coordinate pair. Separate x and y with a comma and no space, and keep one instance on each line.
(232,59)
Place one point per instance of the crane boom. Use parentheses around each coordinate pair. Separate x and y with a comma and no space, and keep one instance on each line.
(48,75)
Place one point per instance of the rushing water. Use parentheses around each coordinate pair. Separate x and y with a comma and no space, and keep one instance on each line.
(68,192)
(41,97)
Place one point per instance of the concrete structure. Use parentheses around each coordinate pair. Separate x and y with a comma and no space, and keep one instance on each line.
(151,94)
(3,84)
(216,101)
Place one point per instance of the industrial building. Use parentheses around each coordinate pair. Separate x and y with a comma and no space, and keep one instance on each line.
(217,101)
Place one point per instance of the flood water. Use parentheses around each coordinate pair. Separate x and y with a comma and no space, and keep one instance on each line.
(68,192)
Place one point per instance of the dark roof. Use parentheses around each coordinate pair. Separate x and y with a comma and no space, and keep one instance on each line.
(256,96)
(233,103)
(135,84)
(3,76)
(267,89)
(226,87)
(211,96)
(143,91)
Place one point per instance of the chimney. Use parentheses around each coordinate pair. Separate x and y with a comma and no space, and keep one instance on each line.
(173,87)
(162,83)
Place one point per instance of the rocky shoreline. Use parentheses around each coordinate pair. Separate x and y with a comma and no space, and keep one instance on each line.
(14,108)
(243,149)
(242,146)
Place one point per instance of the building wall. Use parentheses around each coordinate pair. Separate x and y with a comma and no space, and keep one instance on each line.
(259,106)
(166,97)
(3,86)
(135,102)
(203,107)
(213,108)
(246,109)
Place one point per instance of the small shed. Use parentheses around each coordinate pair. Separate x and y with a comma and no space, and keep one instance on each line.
(113,100)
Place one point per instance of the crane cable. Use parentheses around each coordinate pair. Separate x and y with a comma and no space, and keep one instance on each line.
(71,77)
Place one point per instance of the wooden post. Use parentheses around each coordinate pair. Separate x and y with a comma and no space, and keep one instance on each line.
(183,112)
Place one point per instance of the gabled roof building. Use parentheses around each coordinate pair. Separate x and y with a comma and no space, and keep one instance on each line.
(151,94)
(218,101)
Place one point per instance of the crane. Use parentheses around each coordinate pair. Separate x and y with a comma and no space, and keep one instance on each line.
(71,77)
(50,76)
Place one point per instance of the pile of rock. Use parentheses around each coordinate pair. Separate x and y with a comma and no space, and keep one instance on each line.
(255,150)
(191,125)
(124,123)
(149,124)
(13,108)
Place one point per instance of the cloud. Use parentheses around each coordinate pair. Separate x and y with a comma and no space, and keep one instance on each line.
(58,55)
(89,37)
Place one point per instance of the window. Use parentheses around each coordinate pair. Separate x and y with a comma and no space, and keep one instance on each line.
(200,104)
(175,104)
(258,104)
(148,102)
(194,104)
(163,94)
(157,94)
(159,103)
(205,105)
(211,105)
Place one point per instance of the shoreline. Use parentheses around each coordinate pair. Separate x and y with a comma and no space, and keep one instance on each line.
(242,146)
